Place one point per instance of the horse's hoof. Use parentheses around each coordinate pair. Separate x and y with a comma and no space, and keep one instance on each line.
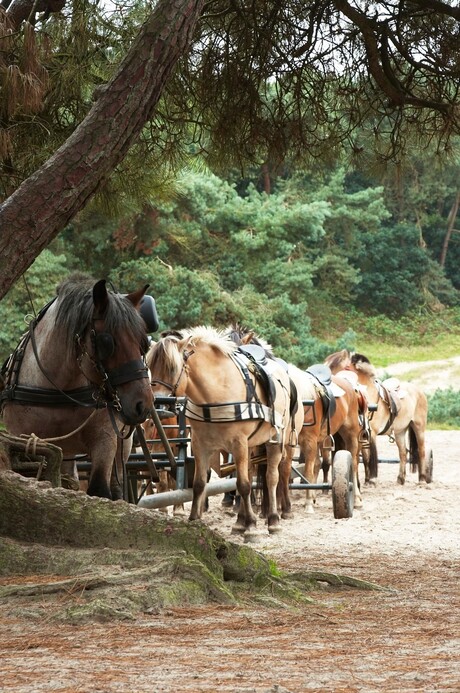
(309,510)
(238,529)
(358,503)
(372,483)
(288,515)
(252,536)
(401,480)
(275,529)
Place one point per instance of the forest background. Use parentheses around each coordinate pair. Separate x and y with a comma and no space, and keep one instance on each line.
(349,247)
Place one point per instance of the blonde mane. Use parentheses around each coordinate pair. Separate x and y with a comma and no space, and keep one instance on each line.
(166,352)
(203,334)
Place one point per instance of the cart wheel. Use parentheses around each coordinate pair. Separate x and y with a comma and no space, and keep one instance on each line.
(343,494)
(429,466)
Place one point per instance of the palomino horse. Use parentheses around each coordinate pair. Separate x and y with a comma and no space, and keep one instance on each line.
(319,422)
(328,428)
(229,409)
(78,377)
(244,336)
(401,413)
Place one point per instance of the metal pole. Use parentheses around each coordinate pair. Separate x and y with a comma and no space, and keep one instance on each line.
(161,500)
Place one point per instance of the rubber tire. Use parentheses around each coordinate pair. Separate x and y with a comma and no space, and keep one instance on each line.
(343,494)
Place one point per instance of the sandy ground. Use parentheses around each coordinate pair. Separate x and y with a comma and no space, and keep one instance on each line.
(403,639)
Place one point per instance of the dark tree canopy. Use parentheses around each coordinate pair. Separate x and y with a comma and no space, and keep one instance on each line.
(234,82)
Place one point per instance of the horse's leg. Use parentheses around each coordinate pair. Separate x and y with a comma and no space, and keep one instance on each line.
(102,453)
(351,443)
(282,490)
(357,489)
(117,486)
(308,442)
(178,510)
(274,457)
(400,440)
(69,476)
(370,460)
(200,479)
(324,463)
(246,520)
(418,437)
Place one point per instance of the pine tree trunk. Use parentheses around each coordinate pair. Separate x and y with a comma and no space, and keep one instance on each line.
(450,229)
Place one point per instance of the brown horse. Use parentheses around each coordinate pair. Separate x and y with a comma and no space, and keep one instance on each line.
(325,432)
(401,411)
(78,377)
(229,409)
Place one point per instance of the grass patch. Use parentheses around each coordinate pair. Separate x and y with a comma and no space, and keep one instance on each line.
(383,353)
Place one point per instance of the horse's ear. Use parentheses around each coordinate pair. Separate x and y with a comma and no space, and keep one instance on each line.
(100,296)
(247,339)
(136,296)
(183,343)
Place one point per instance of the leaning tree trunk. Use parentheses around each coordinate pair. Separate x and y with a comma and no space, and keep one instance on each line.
(41,207)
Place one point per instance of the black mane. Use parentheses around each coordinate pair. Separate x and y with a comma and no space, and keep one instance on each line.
(355,358)
(75,311)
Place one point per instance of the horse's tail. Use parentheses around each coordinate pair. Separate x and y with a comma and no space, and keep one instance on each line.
(373,459)
(339,442)
(414,453)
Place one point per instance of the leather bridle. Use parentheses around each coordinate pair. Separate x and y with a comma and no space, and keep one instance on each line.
(184,370)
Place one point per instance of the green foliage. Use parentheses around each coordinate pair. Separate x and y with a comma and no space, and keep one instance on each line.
(444,408)
(26,298)
(314,267)
(392,266)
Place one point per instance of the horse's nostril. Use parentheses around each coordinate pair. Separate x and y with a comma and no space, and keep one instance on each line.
(141,409)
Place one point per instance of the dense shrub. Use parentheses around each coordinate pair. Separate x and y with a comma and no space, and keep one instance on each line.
(444,408)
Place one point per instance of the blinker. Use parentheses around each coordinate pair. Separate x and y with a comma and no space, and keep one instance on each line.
(104,345)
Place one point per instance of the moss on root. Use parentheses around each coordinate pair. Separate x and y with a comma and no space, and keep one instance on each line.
(68,556)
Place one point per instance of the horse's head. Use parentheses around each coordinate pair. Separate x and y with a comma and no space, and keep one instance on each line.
(338,361)
(362,366)
(119,342)
(107,334)
(167,363)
